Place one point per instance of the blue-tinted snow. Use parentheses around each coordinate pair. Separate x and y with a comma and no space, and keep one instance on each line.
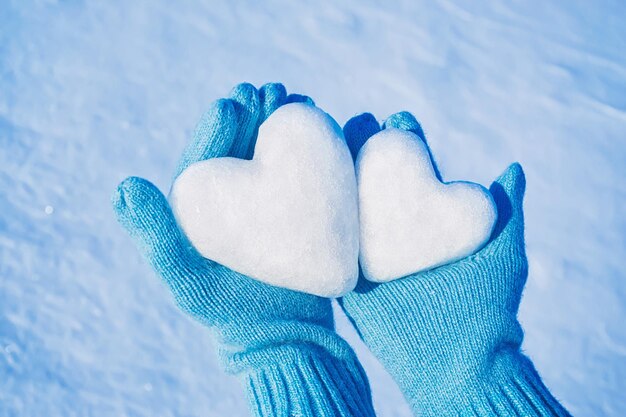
(90,94)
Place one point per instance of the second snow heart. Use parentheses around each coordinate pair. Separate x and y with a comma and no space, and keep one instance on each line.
(410,221)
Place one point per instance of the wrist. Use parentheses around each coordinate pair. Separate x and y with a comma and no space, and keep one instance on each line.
(316,374)
(261,344)
(507,385)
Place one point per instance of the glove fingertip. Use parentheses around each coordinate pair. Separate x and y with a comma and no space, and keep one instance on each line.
(271,96)
(358,130)
(512,183)
(140,206)
(508,194)
(245,98)
(244,93)
(299,98)
(125,198)
(405,121)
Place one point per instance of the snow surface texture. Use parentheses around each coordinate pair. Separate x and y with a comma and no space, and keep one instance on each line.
(410,221)
(289,217)
(92,94)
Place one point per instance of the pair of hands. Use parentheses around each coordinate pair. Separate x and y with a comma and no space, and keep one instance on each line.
(420,326)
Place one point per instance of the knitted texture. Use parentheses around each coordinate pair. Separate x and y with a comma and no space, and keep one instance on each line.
(450,336)
(280,343)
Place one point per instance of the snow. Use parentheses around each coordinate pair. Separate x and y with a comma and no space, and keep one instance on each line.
(289,217)
(409,220)
(90,94)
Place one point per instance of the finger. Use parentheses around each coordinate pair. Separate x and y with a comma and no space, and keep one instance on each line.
(213,136)
(246,102)
(145,213)
(358,130)
(299,98)
(271,97)
(508,194)
(406,121)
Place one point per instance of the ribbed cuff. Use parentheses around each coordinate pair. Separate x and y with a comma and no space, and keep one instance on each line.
(305,380)
(509,387)
(298,369)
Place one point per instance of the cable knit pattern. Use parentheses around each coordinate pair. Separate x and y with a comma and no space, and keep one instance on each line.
(450,336)
(280,343)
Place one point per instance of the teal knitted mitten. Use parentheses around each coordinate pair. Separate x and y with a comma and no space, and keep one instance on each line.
(281,343)
(450,336)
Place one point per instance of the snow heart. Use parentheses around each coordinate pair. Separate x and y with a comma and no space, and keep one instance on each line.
(409,220)
(288,217)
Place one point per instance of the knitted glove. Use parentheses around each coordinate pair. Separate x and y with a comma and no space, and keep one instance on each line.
(281,343)
(450,336)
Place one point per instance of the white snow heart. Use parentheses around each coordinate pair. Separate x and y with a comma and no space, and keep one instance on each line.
(289,216)
(409,220)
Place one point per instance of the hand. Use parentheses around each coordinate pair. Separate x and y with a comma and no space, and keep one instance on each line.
(282,343)
(213,294)
(450,336)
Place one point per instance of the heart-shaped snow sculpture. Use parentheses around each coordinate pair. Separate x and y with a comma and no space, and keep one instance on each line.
(288,217)
(409,220)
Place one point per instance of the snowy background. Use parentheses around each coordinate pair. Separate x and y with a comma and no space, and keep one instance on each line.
(92,93)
